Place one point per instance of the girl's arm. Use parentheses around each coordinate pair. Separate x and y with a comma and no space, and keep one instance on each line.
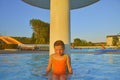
(49,65)
(69,64)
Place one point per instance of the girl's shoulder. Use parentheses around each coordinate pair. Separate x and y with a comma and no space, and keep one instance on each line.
(52,55)
(66,56)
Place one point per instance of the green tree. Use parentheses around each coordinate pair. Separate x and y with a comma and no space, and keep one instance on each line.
(115,41)
(77,42)
(24,40)
(81,42)
(40,30)
(33,39)
(90,44)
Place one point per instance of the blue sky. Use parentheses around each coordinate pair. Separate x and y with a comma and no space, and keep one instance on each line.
(91,23)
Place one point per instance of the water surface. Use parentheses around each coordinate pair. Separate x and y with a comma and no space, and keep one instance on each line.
(31,66)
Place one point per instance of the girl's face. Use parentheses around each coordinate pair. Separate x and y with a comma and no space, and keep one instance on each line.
(59,50)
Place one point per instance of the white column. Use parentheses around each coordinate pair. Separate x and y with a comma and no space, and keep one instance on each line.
(59,23)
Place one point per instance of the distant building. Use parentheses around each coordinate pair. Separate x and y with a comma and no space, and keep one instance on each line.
(113,40)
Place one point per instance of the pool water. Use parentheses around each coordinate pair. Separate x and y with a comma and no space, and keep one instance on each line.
(31,66)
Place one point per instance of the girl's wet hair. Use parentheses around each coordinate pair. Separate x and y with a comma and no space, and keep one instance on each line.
(59,43)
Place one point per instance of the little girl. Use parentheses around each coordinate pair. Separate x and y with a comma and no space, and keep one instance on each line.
(59,62)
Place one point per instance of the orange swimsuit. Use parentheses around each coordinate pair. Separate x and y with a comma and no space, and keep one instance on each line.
(59,66)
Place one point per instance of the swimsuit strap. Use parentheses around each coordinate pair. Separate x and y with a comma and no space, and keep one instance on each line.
(66,55)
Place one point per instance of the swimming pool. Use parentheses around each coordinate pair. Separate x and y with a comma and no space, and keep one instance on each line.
(31,66)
